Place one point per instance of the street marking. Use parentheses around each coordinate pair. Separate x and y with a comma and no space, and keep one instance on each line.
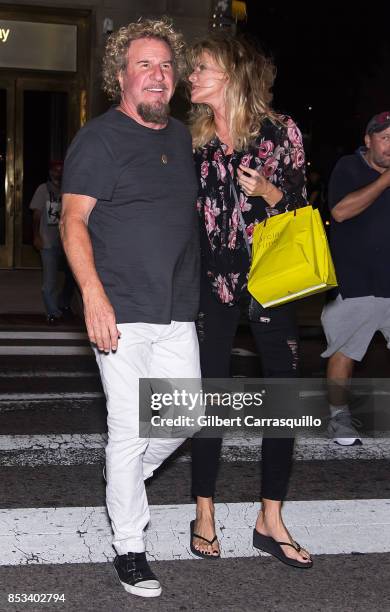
(46,374)
(42,335)
(39,397)
(52,442)
(45,350)
(65,449)
(83,535)
(306,394)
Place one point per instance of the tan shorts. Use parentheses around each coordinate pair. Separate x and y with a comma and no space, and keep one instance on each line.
(350,324)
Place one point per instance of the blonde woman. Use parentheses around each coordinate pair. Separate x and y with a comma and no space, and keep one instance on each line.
(237,134)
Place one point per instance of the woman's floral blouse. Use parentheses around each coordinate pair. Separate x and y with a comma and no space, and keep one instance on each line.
(278,152)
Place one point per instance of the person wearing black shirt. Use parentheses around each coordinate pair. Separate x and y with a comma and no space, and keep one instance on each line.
(359,199)
(130,232)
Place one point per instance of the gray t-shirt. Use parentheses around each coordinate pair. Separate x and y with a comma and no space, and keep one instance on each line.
(143,228)
(47,199)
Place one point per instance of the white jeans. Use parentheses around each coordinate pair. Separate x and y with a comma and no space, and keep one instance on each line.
(145,351)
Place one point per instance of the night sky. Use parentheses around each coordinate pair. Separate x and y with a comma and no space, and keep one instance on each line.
(335,58)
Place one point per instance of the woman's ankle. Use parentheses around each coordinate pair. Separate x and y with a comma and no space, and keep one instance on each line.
(270,514)
(204,507)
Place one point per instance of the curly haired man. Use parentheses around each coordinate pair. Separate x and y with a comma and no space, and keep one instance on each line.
(129,230)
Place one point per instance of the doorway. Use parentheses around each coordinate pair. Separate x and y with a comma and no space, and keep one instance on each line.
(40,111)
(37,120)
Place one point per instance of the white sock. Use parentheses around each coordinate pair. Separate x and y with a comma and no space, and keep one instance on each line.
(337,409)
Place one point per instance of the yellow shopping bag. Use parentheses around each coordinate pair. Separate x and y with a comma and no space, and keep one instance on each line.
(290,258)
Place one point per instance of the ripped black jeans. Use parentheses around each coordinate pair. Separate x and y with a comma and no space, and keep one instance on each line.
(276,336)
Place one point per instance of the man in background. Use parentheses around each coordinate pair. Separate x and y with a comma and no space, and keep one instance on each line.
(359,199)
(46,207)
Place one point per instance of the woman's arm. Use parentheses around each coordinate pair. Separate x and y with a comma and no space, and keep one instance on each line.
(289,187)
(253,183)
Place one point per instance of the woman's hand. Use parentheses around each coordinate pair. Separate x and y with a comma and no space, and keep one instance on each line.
(254,183)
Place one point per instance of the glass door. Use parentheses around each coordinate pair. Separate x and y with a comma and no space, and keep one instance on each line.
(7,184)
(38,117)
(45,110)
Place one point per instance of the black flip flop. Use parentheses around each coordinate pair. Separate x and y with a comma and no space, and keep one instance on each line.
(274,548)
(199,553)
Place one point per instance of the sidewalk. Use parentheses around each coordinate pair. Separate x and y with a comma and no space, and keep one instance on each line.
(21,304)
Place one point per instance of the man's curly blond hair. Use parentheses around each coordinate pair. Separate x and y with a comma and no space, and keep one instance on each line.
(116,53)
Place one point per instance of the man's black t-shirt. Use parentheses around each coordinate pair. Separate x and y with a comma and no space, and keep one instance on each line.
(361,245)
(143,227)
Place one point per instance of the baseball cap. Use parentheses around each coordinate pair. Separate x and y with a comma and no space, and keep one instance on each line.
(378,123)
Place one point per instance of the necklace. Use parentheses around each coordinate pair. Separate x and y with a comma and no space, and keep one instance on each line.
(164,156)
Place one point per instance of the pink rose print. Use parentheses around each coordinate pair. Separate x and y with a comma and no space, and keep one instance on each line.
(224,294)
(298,157)
(204,169)
(269,167)
(210,212)
(293,133)
(249,231)
(266,148)
(246,160)
(234,279)
(244,204)
(233,230)
(222,172)
(218,156)
(278,152)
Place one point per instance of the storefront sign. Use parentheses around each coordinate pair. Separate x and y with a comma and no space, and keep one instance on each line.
(38,46)
(4,34)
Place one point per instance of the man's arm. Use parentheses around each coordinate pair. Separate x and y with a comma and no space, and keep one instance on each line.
(99,314)
(356,202)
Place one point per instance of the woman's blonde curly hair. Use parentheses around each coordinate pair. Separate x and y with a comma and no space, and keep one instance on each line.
(116,56)
(247,95)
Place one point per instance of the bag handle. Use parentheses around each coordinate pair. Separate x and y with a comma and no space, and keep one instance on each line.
(295,214)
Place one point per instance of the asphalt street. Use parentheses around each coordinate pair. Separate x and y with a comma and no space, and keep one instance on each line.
(54,532)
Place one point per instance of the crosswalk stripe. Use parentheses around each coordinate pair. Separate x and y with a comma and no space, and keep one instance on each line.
(357,393)
(45,350)
(47,374)
(64,395)
(42,335)
(52,441)
(83,534)
(38,397)
(235,448)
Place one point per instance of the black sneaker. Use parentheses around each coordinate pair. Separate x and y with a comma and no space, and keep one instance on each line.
(136,576)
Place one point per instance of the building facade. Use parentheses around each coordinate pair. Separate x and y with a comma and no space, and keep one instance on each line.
(50,84)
